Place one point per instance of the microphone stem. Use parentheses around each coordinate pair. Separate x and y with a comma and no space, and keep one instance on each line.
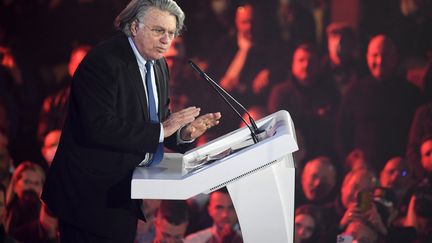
(254,129)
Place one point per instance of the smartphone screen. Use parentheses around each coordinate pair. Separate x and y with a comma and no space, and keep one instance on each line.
(344,238)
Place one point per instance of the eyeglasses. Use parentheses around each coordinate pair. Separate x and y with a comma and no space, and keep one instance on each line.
(158,32)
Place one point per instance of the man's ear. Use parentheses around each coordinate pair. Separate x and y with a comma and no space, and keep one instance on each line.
(134,28)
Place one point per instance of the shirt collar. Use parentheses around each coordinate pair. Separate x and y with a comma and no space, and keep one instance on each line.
(140,59)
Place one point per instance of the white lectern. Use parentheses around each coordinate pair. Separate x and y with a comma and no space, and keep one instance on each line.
(259,177)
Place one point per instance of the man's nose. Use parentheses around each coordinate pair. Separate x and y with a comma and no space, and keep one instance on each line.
(225,213)
(165,38)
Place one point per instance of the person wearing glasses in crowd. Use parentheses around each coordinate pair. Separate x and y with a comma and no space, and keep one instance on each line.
(118,119)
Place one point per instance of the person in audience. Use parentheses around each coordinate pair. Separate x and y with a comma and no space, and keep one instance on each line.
(171,221)
(311,101)
(354,183)
(356,160)
(372,116)
(318,181)
(297,24)
(397,175)
(338,213)
(54,107)
(146,230)
(308,224)
(419,214)
(341,62)
(426,154)
(239,59)
(385,206)
(22,198)
(243,22)
(421,127)
(225,225)
(50,144)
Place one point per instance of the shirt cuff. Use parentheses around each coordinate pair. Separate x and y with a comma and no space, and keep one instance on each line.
(149,156)
(180,140)
(161,135)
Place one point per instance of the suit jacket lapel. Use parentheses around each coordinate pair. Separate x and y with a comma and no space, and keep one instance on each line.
(159,85)
(135,75)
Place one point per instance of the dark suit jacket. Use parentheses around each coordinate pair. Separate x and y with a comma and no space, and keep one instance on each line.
(106,135)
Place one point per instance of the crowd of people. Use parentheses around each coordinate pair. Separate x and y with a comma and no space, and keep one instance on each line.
(360,98)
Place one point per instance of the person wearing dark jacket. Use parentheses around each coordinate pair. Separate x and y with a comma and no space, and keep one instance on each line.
(118,119)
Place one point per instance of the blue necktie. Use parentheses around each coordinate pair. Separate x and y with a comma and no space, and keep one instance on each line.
(158,155)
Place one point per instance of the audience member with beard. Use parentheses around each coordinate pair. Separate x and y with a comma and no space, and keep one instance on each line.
(318,181)
(22,200)
(341,63)
(310,98)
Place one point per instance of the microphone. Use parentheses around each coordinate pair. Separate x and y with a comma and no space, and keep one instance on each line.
(222,92)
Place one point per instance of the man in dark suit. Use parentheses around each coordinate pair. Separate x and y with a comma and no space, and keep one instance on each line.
(117,92)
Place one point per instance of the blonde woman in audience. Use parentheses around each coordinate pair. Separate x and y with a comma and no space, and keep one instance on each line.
(22,197)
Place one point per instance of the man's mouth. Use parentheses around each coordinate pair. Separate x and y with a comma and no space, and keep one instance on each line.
(161,49)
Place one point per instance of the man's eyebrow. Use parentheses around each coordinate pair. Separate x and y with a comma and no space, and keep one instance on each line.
(161,27)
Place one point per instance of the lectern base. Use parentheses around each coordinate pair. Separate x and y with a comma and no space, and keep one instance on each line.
(264,202)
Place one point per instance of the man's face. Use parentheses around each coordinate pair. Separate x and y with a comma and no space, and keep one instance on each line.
(304,66)
(426,155)
(304,227)
(30,180)
(49,148)
(169,233)
(243,21)
(394,175)
(318,180)
(221,210)
(381,58)
(153,37)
